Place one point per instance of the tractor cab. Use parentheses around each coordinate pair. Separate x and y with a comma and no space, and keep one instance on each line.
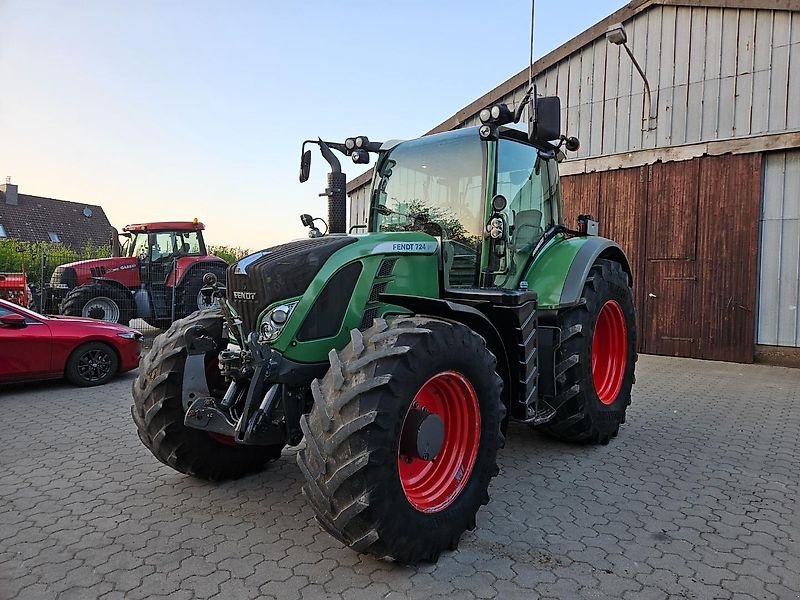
(490,202)
(157,244)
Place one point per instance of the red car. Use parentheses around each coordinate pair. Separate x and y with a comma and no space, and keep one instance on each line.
(84,351)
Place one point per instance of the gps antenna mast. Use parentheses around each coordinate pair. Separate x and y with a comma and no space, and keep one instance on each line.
(530,93)
(531,90)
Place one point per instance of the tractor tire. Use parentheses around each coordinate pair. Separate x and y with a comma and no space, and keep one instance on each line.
(596,360)
(188,298)
(368,489)
(99,301)
(158,410)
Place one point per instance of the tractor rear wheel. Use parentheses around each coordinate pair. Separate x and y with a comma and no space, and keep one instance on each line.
(402,439)
(188,297)
(596,359)
(99,301)
(158,409)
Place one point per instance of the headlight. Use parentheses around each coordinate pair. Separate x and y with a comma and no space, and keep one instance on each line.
(130,335)
(273,321)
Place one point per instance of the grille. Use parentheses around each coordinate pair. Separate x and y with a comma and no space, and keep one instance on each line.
(386,268)
(369,315)
(377,290)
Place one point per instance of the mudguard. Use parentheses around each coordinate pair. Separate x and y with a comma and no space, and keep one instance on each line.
(594,248)
(559,272)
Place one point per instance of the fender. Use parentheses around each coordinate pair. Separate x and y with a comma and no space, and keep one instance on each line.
(594,248)
(114,284)
(188,263)
(560,270)
(467,315)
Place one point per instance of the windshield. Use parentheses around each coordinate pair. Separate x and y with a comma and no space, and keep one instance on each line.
(435,184)
(156,246)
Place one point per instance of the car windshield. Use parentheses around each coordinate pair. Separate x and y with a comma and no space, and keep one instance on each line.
(435,184)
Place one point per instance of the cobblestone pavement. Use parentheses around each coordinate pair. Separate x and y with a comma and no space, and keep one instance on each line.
(696,498)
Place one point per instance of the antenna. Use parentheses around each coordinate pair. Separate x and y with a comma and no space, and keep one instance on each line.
(533,24)
(531,91)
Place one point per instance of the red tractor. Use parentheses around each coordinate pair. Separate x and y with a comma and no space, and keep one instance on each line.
(155,274)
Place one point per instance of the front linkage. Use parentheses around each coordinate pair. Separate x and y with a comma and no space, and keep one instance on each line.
(259,407)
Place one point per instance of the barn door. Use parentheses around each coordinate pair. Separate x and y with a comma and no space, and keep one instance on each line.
(670,291)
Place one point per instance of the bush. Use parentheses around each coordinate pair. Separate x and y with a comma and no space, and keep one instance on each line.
(230,254)
(38,260)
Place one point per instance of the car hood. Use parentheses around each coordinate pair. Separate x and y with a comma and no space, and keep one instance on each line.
(92,324)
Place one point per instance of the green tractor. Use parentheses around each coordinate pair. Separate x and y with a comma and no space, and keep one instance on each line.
(400,353)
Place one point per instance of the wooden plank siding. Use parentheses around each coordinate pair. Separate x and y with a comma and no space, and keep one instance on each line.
(690,230)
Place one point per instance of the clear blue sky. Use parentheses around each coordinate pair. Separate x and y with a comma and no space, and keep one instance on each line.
(163,110)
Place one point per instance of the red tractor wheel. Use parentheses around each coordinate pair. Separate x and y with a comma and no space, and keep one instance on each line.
(433,485)
(402,439)
(596,360)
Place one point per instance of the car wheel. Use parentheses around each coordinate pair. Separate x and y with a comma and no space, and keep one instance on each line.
(92,364)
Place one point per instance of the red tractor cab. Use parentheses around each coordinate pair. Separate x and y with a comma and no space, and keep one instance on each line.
(156,274)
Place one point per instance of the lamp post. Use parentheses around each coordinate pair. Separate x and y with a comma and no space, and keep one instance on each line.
(617,36)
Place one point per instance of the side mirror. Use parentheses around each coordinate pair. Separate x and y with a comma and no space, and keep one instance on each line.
(307,220)
(13,320)
(548,119)
(305,166)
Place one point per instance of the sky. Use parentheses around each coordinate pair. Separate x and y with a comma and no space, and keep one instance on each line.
(175,109)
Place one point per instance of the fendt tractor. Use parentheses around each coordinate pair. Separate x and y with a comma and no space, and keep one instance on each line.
(400,351)
(156,274)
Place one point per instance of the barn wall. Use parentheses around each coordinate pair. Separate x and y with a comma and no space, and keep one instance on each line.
(779,274)
(690,231)
(715,73)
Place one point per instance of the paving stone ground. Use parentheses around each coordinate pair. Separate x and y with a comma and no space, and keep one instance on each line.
(696,498)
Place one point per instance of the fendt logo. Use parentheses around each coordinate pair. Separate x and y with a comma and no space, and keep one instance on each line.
(244,295)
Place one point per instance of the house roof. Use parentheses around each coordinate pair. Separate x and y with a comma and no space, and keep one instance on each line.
(33,218)
(588,36)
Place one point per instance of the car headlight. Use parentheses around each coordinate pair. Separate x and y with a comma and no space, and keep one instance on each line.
(131,335)
(273,321)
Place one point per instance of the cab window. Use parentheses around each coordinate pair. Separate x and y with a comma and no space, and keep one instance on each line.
(530,184)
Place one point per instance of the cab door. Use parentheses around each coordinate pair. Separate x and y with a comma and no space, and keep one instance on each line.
(25,352)
(528,179)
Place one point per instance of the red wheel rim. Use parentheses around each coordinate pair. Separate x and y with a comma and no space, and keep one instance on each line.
(609,352)
(433,485)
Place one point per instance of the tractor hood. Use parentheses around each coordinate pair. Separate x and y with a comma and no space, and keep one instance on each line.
(276,273)
(336,281)
(72,274)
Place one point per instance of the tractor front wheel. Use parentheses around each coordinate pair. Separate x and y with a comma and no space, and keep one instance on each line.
(159,416)
(596,359)
(402,439)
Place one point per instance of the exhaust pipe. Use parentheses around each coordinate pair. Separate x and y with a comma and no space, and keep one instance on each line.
(336,192)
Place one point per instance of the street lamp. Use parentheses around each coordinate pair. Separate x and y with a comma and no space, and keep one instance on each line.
(617,36)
